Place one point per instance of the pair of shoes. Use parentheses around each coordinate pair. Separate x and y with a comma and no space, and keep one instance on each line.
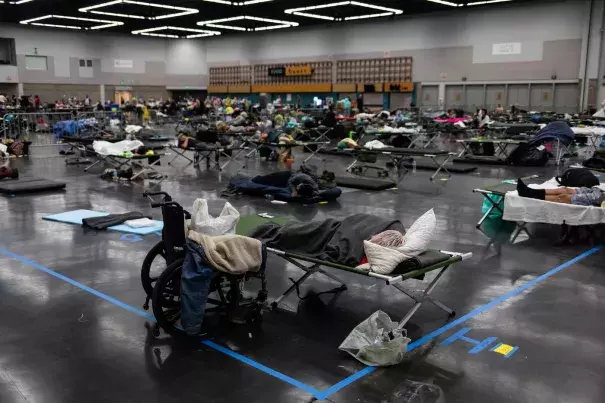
(9,173)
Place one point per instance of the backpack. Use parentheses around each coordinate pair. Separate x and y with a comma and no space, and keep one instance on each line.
(526,155)
(578,178)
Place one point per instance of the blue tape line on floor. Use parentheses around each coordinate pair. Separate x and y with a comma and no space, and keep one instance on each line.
(423,340)
(320,395)
(263,368)
(344,383)
(148,316)
(76,284)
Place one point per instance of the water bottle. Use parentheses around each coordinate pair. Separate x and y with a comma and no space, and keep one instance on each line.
(414,166)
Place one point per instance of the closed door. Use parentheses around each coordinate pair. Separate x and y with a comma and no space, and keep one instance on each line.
(429,97)
(567,98)
(518,95)
(475,97)
(541,97)
(454,97)
(495,95)
(400,101)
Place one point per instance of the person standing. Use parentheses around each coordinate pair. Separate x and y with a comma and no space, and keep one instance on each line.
(360,102)
(37,102)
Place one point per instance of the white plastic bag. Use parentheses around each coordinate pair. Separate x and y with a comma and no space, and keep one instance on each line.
(203,223)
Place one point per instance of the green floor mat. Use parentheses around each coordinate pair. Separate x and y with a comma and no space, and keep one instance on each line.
(248,223)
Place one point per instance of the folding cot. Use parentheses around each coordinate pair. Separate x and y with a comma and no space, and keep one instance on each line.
(203,153)
(593,136)
(523,210)
(513,129)
(398,155)
(317,135)
(134,162)
(500,145)
(318,145)
(414,268)
(414,136)
(494,195)
(212,145)
(81,145)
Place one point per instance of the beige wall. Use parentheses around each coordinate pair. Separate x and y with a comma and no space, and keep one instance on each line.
(52,92)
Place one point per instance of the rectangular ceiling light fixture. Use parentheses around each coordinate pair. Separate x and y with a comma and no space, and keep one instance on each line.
(383,11)
(475,3)
(446,3)
(180,11)
(277,24)
(480,3)
(193,33)
(237,3)
(104,23)
(17,2)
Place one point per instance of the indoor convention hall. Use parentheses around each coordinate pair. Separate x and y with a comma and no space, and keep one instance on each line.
(299,201)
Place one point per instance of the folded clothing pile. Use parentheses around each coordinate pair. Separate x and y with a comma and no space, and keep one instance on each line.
(104,222)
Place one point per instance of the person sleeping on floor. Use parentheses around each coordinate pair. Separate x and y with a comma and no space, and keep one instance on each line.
(582,196)
(299,183)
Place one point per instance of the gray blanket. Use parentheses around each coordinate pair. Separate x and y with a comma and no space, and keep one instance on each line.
(336,241)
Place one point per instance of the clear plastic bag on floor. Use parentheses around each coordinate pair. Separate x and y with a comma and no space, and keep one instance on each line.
(376,341)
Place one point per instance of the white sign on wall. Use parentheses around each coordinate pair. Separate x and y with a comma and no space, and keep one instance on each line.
(123,64)
(506,48)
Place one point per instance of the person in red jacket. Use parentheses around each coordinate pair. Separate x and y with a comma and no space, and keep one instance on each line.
(37,101)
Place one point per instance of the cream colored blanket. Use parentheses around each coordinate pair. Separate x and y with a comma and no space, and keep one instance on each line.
(233,254)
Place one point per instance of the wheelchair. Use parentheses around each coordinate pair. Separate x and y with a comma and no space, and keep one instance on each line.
(161,277)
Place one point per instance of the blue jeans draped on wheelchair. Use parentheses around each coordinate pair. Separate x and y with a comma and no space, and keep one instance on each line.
(196,279)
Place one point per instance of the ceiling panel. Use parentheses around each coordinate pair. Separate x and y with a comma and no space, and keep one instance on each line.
(173,18)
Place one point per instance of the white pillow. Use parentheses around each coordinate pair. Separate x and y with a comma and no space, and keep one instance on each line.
(420,234)
(384,260)
(381,260)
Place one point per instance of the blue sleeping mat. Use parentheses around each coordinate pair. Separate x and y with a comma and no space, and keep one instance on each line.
(76,217)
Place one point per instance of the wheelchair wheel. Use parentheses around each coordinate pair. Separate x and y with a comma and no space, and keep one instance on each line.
(154,263)
(166,299)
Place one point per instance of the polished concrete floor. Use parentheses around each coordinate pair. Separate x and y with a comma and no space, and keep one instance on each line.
(62,343)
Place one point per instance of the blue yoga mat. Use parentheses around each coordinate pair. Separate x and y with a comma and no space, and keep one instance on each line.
(76,217)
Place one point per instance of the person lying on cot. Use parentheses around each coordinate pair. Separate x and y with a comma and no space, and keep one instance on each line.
(593,196)
(186,141)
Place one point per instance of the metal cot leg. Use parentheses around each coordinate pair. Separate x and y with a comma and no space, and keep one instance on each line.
(353,164)
(493,206)
(425,296)
(231,158)
(293,287)
(440,166)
